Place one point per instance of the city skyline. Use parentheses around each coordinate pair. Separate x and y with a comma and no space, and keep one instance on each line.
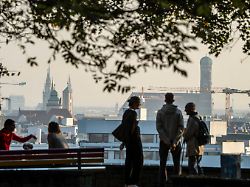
(227,71)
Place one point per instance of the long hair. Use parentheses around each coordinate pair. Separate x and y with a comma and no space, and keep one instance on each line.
(53,127)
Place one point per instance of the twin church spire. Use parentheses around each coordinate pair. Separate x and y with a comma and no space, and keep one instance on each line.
(50,95)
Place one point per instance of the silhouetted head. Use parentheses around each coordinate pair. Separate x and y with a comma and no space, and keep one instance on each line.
(134,102)
(190,108)
(9,125)
(169,98)
(53,127)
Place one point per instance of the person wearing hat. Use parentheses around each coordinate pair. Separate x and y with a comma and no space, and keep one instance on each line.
(170,126)
(7,135)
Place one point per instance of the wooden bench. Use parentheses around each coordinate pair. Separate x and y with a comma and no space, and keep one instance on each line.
(52,158)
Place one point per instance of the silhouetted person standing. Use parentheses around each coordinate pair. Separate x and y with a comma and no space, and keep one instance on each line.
(7,135)
(133,144)
(194,152)
(170,125)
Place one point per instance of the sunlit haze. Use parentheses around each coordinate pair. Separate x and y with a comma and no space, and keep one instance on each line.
(227,71)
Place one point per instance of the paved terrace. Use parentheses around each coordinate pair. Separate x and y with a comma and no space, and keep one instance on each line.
(112,176)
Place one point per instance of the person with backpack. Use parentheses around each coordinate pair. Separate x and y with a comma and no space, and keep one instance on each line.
(194,150)
(170,126)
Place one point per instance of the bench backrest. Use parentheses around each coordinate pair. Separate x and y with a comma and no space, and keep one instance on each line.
(50,158)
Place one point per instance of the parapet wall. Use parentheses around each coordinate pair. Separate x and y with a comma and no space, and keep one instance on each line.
(112,176)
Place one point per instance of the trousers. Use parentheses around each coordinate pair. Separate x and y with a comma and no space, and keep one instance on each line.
(194,161)
(133,162)
(176,155)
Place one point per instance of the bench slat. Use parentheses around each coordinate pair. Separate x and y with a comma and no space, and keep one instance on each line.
(52,158)
(40,151)
(49,156)
(49,162)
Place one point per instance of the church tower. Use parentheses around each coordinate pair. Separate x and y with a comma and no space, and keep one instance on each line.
(47,89)
(68,97)
(54,101)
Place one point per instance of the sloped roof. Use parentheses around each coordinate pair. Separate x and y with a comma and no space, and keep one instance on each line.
(60,112)
(43,116)
(34,115)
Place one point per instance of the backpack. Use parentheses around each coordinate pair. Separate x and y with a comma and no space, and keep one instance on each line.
(203,135)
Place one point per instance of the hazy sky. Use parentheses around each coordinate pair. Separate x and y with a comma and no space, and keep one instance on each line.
(228,71)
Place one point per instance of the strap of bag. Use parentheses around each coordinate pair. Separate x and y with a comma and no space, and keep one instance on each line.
(196,119)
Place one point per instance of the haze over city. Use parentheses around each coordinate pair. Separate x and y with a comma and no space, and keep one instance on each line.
(227,71)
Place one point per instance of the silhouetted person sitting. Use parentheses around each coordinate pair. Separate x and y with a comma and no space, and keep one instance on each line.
(55,137)
(7,134)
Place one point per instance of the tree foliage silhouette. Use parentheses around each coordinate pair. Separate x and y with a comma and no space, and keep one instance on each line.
(114,39)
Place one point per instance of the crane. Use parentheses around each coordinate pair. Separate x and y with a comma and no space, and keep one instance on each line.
(225,90)
(228,92)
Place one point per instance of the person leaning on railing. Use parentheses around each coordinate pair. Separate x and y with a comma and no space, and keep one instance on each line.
(7,135)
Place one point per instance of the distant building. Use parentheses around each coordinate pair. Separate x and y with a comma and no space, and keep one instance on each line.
(153,100)
(2,120)
(234,138)
(68,97)
(51,98)
(97,132)
(16,102)
(54,101)
(217,129)
(46,91)
(205,74)
(42,117)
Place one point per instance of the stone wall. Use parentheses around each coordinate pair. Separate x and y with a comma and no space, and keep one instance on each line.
(112,176)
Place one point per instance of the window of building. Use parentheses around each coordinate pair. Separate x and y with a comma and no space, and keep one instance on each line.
(157,156)
(147,138)
(98,138)
(157,138)
(148,155)
(105,154)
(119,155)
